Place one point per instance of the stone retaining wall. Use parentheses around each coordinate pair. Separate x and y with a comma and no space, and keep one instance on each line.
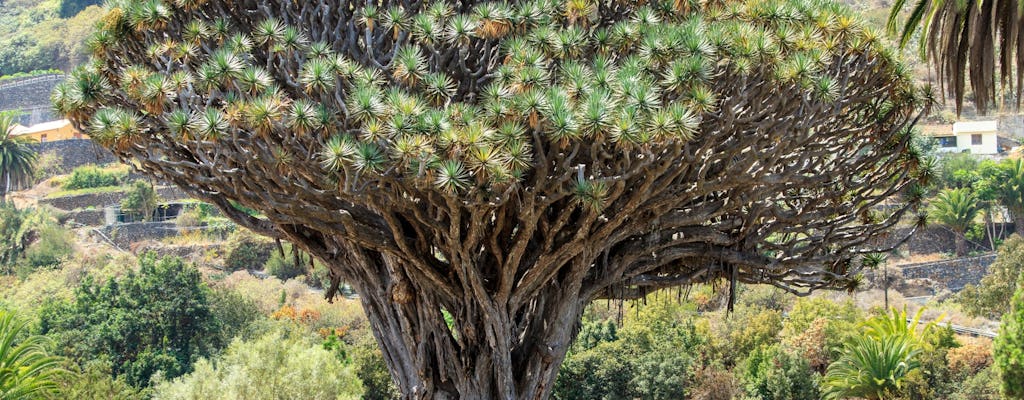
(32,96)
(123,235)
(939,239)
(951,274)
(100,200)
(88,217)
(75,153)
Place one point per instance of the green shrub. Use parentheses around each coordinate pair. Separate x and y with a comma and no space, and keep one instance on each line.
(91,176)
(982,386)
(156,320)
(55,244)
(371,370)
(988,298)
(246,250)
(284,268)
(47,165)
(94,381)
(1008,347)
(276,365)
(141,199)
(770,373)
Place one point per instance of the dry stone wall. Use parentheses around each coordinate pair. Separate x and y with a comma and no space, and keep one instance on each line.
(31,95)
(74,153)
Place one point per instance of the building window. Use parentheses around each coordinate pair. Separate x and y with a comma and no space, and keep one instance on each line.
(947,141)
(975,139)
(42,138)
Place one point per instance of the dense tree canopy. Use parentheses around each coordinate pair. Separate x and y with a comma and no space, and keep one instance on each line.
(507,163)
(159,319)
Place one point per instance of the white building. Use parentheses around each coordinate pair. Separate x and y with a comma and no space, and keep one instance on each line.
(975,137)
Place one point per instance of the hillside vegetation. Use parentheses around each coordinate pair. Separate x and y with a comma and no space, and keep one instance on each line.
(42,35)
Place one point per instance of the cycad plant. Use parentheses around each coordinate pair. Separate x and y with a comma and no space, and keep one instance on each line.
(874,363)
(956,209)
(17,159)
(27,371)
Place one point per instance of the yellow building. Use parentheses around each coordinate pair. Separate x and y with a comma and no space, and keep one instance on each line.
(49,131)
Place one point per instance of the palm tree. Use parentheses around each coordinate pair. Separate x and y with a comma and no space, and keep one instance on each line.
(956,209)
(17,160)
(968,37)
(26,370)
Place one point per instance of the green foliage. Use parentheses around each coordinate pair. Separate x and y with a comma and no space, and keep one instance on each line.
(37,72)
(27,371)
(94,380)
(982,386)
(31,239)
(48,164)
(988,297)
(871,367)
(276,365)
(839,320)
(1008,347)
(156,320)
(234,314)
(373,372)
(771,373)
(933,379)
(245,250)
(69,8)
(13,240)
(652,357)
(958,171)
(54,245)
(140,199)
(747,329)
(284,267)
(35,38)
(1004,183)
(956,209)
(92,176)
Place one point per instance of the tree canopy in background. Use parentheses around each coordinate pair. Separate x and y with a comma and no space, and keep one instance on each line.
(44,35)
(505,164)
(158,319)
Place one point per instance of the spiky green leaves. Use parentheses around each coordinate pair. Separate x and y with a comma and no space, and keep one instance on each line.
(561,76)
(114,127)
(590,193)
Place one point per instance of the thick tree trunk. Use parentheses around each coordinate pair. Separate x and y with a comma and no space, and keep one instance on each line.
(490,351)
(1017,214)
(961,244)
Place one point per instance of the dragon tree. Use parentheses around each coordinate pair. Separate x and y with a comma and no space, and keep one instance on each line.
(509,162)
